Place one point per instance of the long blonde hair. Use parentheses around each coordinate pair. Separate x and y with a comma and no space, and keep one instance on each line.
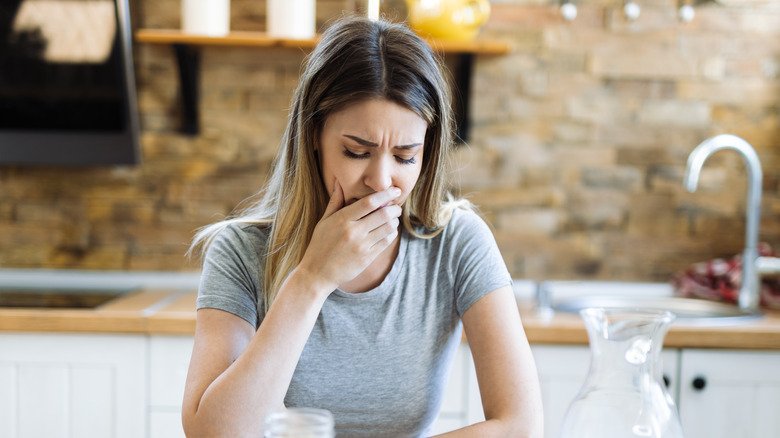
(356,59)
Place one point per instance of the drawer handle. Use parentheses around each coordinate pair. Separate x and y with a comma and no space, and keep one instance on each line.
(699,383)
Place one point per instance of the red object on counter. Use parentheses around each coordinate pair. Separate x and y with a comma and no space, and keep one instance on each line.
(720,279)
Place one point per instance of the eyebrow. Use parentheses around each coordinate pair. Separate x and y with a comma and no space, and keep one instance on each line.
(371,144)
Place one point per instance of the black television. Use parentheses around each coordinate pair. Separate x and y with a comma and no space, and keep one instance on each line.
(67,88)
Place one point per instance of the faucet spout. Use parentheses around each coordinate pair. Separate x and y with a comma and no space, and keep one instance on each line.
(749,290)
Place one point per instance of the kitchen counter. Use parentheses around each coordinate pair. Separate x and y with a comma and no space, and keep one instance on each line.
(161,311)
(760,334)
(146,311)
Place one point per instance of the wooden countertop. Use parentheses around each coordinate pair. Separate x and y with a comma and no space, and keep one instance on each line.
(143,311)
(173,312)
(760,334)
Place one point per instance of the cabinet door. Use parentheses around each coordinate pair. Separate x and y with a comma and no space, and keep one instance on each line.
(730,394)
(79,385)
(169,359)
(562,370)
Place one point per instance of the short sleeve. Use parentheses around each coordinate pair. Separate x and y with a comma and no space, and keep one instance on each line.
(231,276)
(475,260)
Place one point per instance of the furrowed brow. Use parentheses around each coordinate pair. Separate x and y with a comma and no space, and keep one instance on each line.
(361,141)
(371,144)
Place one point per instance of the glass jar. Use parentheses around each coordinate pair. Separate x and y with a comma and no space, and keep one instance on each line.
(457,20)
(623,395)
(299,423)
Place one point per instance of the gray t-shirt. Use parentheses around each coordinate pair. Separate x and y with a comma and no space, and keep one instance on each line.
(378,360)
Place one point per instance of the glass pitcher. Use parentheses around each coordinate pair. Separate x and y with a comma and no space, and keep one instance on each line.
(299,423)
(623,395)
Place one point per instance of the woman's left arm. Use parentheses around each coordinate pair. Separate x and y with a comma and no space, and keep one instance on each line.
(508,381)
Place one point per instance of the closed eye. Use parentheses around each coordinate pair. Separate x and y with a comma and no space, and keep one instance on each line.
(349,154)
(404,161)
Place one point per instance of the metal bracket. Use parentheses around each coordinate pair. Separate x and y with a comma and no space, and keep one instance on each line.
(188,60)
(462,95)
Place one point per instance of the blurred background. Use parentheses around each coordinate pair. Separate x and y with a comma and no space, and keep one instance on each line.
(577,143)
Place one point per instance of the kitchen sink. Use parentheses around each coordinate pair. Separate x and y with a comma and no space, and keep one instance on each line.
(687,310)
(57,298)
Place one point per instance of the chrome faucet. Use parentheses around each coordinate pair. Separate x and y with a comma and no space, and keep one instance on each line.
(544,300)
(749,290)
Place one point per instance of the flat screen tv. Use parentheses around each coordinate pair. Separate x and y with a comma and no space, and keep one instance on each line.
(67,89)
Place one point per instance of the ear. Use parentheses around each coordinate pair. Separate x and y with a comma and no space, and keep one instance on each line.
(316,153)
(316,139)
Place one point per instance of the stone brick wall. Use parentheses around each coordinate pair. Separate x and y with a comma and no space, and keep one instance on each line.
(578,143)
(582,134)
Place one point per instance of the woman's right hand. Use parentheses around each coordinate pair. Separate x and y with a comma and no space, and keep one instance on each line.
(347,239)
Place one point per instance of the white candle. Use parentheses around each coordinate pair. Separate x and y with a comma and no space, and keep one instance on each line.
(291,18)
(206,17)
(373,9)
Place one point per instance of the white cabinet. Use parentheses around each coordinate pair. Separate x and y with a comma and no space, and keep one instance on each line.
(91,385)
(734,394)
(562,370)
(72,385)
(462,404)
(719,393)
(169,358)
(130,386)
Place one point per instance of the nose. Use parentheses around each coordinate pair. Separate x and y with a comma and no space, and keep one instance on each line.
(378,175)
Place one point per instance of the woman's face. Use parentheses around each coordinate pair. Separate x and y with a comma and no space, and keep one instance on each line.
(371,146)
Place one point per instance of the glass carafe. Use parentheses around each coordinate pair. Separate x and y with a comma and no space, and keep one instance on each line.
(623,395)
(299,423)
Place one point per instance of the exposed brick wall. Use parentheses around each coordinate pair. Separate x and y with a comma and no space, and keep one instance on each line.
(580,137)
(578,143)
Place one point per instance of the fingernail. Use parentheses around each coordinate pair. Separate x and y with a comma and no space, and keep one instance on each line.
(395,191)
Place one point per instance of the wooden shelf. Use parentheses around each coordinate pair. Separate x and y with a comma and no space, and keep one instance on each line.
(235,39)
(260,39)
(187,50)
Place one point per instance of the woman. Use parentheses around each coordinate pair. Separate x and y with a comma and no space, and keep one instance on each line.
(344,286)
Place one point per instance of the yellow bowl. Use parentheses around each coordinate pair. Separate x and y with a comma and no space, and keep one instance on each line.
(458,20)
